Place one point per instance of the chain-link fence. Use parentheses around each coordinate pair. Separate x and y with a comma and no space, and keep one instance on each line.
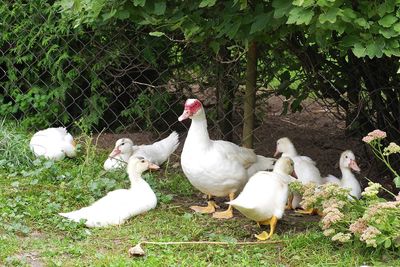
(117,80)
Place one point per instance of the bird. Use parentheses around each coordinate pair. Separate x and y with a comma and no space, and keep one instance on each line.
(264,197)
(347,163)
(216,167)
(53,144)
(156,153)
(121,204)
(305,168)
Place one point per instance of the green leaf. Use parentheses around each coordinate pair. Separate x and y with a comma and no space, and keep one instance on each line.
(397,181)
(387,7)
(303,3)
(350,40)
(374,49)
(348,15)
(207,3)
(160,7)
(388,243)
(359,50)
(156,34)
(324,3)
(233,29)
(388,33)
(139,3)
(396,27)
(215,46)
(300,16)
(329,16)
(122,14)
(282,8)
(362,22)
(393,43)
(387,20)
(109,15)
(261,22)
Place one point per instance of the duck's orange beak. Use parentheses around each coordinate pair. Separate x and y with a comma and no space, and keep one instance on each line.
(153,166)
(353,165)
(276,153)
(115,152)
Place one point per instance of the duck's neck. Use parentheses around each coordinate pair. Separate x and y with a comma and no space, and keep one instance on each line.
(347,174)
(135,177)
(198,130)
(286,178)
(125,157)
(291,152)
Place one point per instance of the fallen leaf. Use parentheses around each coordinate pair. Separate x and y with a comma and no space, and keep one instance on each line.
(136,251)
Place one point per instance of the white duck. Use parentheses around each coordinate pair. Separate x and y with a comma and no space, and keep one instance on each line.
(305,168)
(119,205)
(216,168)
(264,197)
(53,143)
(347,163)
(156,153)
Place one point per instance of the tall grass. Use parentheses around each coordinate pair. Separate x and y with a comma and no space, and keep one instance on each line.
(14,145)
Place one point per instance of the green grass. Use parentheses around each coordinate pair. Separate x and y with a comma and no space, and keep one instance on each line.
(32,192)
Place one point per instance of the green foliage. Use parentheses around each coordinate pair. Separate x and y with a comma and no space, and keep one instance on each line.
(322,20)
(148,106)
(49,69)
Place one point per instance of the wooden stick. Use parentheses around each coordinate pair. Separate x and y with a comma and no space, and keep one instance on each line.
(211,242)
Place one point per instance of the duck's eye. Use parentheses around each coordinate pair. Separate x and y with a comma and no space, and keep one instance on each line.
(346,157)
(122,144)
(142,161)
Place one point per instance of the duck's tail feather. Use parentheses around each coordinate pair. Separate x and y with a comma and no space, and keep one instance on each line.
(262,164)
(167,145)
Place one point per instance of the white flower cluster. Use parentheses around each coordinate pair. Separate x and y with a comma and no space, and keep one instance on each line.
(392,148)
(372,190)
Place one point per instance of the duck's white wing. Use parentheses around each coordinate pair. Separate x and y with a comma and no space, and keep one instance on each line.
(306,170)
(262,164)
(160,151)
(331,179)
(307,159)
(245,156)
(264,195)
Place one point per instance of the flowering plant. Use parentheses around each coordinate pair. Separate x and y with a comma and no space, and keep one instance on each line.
(371,221)
(374,140)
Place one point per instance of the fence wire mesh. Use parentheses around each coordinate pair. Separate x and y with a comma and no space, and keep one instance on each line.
(123,81)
